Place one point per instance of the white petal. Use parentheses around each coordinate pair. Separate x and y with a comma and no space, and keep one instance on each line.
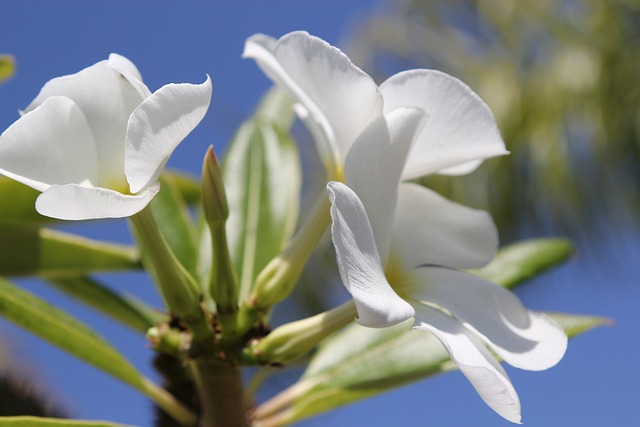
(359,264)
(374,166)
(339,96)
(127,68)
(523,338)
(107,100)
(124,65)
(431,230)
(474,360)
(461,128)
(158,125)
(74,202)
(49,145)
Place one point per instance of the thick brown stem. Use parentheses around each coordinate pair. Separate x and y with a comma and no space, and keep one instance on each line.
(221,394)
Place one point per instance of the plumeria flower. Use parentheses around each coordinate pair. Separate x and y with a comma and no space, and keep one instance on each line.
(400,250)
(337,101)
(95,142)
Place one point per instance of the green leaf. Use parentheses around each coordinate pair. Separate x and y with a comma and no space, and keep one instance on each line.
(276,107)
(187,185)
(575,325)
(261,172)
(7,67)
(524,260)
(29,250)
(125,309)
(64,331)
(52,422)
(360,362)
(18,203)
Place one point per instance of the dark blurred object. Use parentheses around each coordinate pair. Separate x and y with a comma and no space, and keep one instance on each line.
(177,382)
(19,397)
(562,78)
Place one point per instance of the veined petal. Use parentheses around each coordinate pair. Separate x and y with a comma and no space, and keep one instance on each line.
(359,263)
(431,230)
(74,202)
(158,125)
(374,166)
(107,100)
(461,128)
(523,338)
(474,360)
(52,144)
(339,96)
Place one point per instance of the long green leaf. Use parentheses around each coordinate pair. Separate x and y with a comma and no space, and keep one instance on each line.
(29,250)
(62,330)
(358,363)
(53,422)
(262,179)
(125,309)
(524,260)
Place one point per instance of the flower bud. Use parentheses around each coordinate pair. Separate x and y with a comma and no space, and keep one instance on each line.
(222,285)
(292,341)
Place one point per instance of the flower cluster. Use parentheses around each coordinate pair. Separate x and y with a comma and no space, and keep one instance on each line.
(95,143)
(399,246)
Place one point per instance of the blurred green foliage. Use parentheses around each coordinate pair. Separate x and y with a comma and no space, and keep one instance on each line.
(7,67)
(562,80)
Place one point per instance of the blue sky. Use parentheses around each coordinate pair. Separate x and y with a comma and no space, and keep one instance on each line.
(173,41)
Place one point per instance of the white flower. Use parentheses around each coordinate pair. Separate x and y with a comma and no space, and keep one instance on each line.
(95,142)
(337,101)
(399,248)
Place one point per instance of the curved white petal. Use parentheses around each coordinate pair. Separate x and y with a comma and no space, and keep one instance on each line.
(374,166)
(523,338)
(127,68)
(107,100)
(461,129)
(340,98)
(461,169)
(52,144)
(474,360)
(431,230)
(359,264)
(158,125)
(74,202)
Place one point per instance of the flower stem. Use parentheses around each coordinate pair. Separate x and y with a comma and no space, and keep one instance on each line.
(178,288)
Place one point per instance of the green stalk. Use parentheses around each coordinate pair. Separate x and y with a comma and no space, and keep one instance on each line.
(178,288)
